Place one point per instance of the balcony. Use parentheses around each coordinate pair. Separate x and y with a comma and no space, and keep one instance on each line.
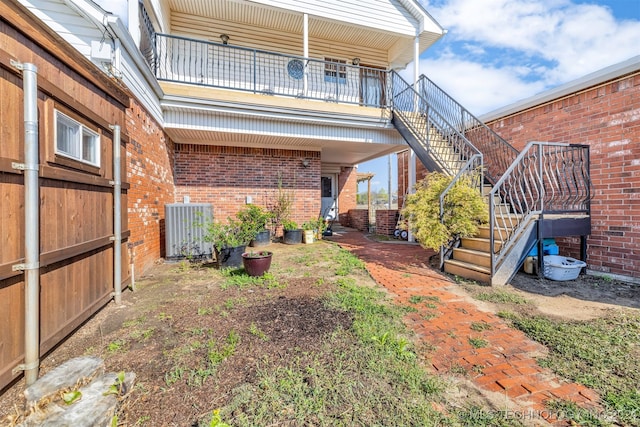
(215,65)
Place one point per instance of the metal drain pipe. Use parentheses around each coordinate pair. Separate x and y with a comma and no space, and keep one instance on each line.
(31,265)
(117,217)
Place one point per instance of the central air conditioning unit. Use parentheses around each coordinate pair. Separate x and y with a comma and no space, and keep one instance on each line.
(184,238)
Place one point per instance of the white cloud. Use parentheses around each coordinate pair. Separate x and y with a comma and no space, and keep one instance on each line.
(499,51)
(479,88)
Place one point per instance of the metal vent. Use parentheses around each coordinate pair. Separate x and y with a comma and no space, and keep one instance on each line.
(183,237)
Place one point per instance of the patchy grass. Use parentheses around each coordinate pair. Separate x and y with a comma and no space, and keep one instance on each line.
(602,354)
(500,297)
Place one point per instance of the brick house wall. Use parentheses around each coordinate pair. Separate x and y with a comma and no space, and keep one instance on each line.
(403,174)
(347,191)
(149,166)
(386,221)
(607,118)
(358,219)
(226,176)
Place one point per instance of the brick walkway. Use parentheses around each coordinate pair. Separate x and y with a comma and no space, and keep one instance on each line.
(444,320)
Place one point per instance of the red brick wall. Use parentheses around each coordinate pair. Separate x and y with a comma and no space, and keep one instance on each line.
(347,190)
(386,221)
(607,118)
(150,173)
(225,176)
(403,174)
(358,219)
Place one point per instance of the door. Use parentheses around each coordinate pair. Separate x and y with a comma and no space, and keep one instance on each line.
(372,86)
(329,204)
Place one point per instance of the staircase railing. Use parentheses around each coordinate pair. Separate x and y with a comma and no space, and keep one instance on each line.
(427,124)
(545,178)
(432,138)
(498,153)
(473,170)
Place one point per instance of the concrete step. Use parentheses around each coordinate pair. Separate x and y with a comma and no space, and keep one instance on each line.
(479,244)
(471,256)
(467,270)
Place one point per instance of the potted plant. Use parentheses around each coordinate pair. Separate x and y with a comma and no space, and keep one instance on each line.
(256,218)
(256,263)
(292,233)
(229,241)
(321,227)
(309,231)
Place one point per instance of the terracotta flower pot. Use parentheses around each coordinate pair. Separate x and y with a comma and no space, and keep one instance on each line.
(256,263)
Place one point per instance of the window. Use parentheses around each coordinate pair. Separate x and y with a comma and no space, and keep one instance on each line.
(333,71)
(76,141)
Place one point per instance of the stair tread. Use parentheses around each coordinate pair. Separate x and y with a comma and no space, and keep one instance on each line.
(473,252)
(469,266)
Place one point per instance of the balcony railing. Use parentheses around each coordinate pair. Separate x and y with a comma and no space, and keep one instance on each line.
(185,60)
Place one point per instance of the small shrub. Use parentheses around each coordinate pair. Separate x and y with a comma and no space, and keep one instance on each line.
(463,210)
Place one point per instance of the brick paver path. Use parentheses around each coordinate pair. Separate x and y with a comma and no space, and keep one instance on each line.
(444,321)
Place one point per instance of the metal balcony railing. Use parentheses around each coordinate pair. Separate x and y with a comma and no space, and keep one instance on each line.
(545,178)
(198,62)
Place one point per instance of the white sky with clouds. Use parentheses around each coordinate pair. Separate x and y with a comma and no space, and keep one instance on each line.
(497,52)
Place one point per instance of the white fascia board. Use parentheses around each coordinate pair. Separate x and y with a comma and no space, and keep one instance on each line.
(593,79)
(427,22)
(105,20)
(274,113)
(122,33)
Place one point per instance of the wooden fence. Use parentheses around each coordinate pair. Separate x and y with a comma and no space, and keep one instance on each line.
(76,198)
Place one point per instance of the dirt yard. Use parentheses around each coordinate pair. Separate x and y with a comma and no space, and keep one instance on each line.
(179,312)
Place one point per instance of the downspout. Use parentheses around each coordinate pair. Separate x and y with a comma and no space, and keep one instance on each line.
(31,266)
(412,154)
(117,218)
(305,50)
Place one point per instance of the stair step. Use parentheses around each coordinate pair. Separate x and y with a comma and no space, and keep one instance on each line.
(472,256)
(506,220)
(498,232)
(467,270)
(502,208)
(480,244)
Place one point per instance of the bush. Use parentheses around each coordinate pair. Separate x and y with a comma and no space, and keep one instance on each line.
(464,209)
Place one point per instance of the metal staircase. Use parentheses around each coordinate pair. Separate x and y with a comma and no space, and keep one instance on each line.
(542,192)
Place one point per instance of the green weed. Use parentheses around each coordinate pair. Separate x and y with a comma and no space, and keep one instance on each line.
(347,263)
(480,326)
(600,353)
(254,330)
(115,346)
(478,342)
(204,311)
(501,297)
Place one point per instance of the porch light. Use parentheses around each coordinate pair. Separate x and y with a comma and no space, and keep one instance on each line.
(355,61)
(224,38)
(306,163)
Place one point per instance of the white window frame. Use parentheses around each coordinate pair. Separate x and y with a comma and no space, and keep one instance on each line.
(77,150)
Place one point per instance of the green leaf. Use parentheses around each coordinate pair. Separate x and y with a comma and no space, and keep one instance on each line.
(71,397)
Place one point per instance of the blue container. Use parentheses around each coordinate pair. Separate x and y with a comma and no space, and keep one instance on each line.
(549,247)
